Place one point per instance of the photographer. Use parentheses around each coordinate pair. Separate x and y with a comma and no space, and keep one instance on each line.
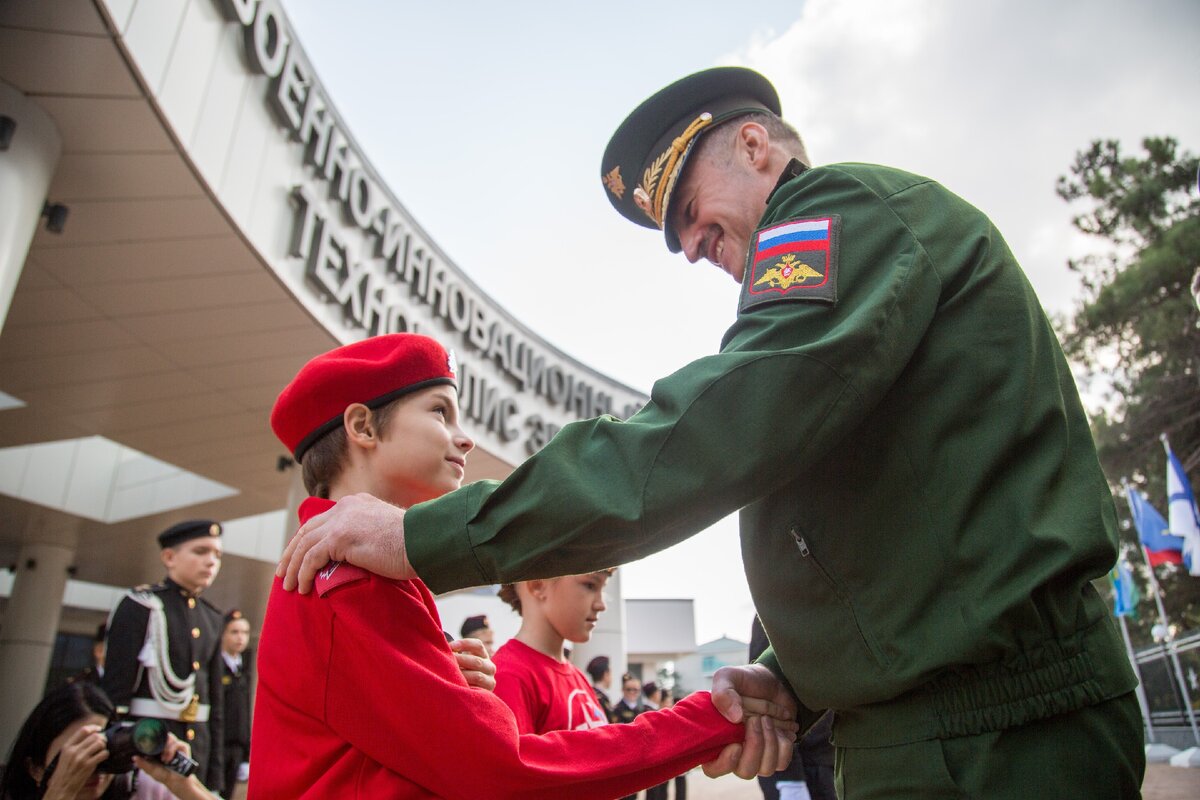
(62,753)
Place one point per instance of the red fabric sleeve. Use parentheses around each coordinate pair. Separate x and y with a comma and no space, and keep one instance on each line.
(395,693)
(512,686)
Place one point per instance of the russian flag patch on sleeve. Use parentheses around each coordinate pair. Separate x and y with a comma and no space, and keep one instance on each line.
(793,260)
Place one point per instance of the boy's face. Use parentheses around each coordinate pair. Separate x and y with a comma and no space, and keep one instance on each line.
(422,451)
(574,603)
(194,564)
(236,637)
(631,690)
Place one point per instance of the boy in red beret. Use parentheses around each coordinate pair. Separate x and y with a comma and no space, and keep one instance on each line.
(359,693)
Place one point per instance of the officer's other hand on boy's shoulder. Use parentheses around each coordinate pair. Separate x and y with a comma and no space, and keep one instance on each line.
(360,529)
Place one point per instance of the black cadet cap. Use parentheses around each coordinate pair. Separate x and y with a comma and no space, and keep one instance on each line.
(471,624)
(184,531)
(645,156)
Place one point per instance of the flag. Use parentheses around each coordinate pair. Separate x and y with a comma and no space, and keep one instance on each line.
(1125,591)
(1182,518)
(1161,546)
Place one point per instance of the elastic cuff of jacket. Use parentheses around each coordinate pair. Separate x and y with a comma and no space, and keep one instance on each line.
(437,545)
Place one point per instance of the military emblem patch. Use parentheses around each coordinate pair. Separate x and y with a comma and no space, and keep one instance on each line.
(793,260)
(612,180)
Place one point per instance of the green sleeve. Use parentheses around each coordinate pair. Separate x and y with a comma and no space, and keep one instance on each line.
(792,378)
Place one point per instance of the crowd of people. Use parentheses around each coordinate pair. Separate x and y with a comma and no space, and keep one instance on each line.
(922,516)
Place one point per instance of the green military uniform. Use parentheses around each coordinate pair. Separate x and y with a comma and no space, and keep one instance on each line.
(922,509)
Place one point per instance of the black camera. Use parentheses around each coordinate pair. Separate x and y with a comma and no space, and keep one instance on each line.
(146,738)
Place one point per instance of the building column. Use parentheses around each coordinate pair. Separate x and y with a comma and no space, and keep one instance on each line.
(608,637)
(28,631)
(29,149)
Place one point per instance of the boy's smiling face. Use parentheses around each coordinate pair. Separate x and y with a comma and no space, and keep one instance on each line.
(421,453)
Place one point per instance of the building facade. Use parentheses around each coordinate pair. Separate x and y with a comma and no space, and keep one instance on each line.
(185,219)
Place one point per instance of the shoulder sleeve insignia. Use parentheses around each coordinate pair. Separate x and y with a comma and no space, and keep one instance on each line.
(338,573)
(793,260)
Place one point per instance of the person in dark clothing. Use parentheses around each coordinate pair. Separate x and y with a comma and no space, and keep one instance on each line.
(812,762)
(235,688)
(163,654)
(600,672)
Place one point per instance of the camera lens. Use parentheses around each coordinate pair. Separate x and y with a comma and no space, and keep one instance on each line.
(124,740)
(149,737)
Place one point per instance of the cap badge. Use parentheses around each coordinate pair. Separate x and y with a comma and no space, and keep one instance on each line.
(613,182)
(452,363)
(651,196)
(214,529)
(786,272)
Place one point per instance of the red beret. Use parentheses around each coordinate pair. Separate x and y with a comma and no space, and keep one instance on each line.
(373,372)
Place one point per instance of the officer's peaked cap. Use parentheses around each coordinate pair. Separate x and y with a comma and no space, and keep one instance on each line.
(645,156)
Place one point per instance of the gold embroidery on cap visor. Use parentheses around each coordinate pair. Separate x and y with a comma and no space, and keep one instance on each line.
(612,181)
(653,194)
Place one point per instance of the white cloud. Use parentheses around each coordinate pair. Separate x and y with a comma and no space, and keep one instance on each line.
(990,98)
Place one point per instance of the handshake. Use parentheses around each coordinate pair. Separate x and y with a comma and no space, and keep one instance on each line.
(753,696)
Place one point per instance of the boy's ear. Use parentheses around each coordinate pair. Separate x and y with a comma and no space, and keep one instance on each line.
(537,588)
(359,424)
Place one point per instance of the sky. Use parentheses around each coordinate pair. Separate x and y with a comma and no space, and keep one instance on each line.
(487,121)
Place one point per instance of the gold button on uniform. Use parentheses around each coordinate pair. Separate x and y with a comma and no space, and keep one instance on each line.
(191,734)
(191,602)
(195,633)
(195,666)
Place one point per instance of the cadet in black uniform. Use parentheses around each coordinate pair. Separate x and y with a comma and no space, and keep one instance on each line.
(163,656)
(235,686)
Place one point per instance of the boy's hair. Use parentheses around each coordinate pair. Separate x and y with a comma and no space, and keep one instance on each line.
(508,591)
(597,667)
(325,458)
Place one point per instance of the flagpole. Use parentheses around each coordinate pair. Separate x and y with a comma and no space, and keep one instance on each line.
(1169,645)
(1141,690)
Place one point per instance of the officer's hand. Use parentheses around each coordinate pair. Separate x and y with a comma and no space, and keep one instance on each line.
(752,689)
(361,530)
(743,693)
(476,665)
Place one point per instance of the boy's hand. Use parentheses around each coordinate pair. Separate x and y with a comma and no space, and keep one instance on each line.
(763,752)
(361,530)
(754,695)
(475,663)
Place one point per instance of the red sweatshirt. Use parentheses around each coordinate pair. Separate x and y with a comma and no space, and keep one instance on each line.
(359,696)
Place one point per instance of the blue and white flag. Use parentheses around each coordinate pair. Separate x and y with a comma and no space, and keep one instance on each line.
(1182,516)
(1125,591)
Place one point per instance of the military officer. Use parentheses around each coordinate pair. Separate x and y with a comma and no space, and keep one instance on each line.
(922,509)
(163,655)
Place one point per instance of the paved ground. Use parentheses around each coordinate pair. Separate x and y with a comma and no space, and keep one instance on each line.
(1163,782)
